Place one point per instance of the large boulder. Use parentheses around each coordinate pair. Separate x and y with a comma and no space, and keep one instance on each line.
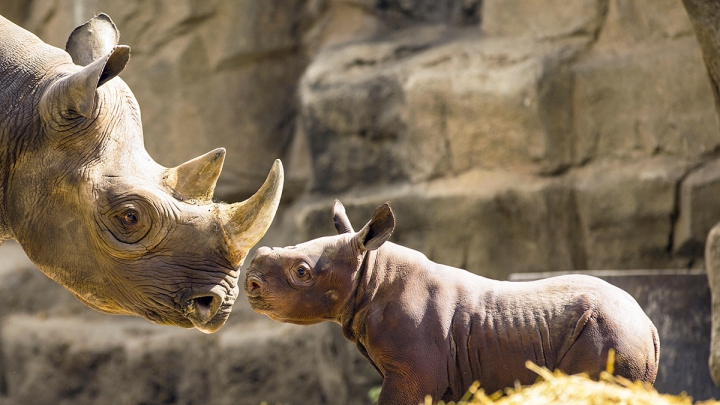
(609,215)
(544,19)
(633,105)
(698,209)
(627,212)
(417,106)
(79,361)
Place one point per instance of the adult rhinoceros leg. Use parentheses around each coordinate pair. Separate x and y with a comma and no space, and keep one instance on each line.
(705,17)
(712,263)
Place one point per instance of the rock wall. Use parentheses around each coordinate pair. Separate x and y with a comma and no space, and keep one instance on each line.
(509,135)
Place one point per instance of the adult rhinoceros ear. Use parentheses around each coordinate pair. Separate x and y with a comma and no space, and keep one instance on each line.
(340,219)
(92,40)
(378,230)
(77,91)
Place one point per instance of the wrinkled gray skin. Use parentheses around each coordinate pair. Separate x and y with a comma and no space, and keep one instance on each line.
(712,264)
(434,329)
(705,15)
(90,207)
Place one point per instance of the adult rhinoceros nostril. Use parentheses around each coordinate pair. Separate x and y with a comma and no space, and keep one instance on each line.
(204,305)
(202,309)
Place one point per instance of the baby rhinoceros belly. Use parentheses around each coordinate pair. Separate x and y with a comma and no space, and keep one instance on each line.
(568,323)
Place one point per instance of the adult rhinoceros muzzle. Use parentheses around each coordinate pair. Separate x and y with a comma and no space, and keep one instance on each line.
(243,225)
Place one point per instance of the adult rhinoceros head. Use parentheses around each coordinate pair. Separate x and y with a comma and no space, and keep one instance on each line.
(98,215)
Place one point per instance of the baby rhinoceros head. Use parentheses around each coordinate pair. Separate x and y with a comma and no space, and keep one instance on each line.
(315,281)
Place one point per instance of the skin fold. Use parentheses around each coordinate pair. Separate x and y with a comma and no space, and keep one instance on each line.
(92,209)
(431,329)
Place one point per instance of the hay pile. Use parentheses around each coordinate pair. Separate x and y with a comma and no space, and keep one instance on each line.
(560,389)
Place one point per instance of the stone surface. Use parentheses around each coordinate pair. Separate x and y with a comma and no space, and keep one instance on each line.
(678,303)
(626,212)
(77,361)
(545,19)
(636,21)
(633,105)
(280,363)
(401,12)
(605,216)
(413,109)
(698,209)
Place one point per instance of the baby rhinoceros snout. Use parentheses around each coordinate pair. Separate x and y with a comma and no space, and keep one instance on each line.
(253,286)
(254,283)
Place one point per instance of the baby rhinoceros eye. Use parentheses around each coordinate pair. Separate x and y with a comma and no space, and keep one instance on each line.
(303,272)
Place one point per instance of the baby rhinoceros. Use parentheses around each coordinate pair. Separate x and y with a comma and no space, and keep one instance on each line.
(431,329)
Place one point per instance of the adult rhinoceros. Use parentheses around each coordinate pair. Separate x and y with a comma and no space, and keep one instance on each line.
(90,207)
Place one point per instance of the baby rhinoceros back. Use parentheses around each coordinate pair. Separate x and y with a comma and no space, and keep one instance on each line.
(568,323)
(431,329)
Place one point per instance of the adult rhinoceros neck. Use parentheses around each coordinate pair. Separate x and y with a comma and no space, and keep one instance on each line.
(24,65)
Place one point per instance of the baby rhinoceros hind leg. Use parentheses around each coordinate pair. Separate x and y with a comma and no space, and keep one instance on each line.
(597,331)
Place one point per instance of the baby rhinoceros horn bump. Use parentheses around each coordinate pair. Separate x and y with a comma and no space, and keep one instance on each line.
(246,222)
(196,179)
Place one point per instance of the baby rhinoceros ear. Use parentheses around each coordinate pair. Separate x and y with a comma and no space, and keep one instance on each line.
(378,230)
(340,219)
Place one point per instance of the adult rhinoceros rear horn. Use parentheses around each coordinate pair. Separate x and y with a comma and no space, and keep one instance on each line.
(196,179)
(246,222)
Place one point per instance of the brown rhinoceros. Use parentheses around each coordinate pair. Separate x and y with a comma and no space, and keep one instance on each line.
(90,207)
(431,329)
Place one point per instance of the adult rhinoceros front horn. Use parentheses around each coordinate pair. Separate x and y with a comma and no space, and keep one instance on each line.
(246,222)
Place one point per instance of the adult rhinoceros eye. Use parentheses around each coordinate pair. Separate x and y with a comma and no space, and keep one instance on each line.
(130,223)
(129,218)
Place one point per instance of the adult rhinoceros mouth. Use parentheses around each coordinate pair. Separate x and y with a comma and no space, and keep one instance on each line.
(208,312)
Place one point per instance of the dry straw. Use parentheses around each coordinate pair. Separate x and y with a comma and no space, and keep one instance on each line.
(556,388)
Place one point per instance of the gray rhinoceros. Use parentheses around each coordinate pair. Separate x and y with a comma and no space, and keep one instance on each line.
(90,207)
